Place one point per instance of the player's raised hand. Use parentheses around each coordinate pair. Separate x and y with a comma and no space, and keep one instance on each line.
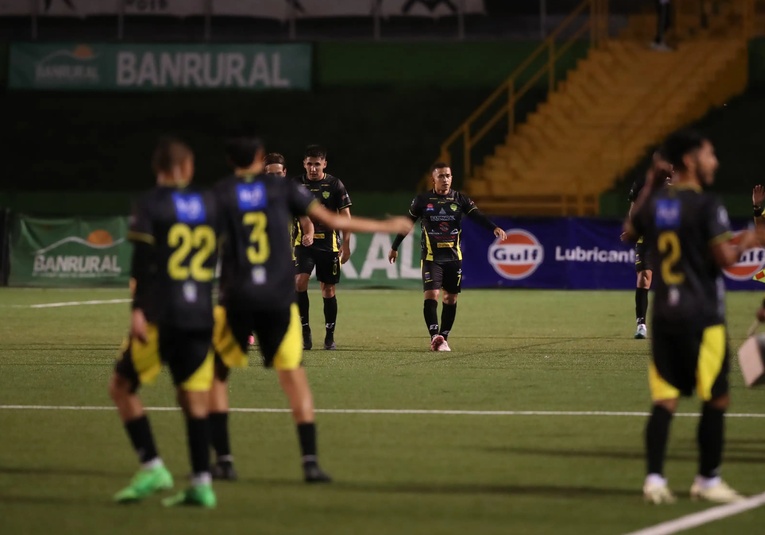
(499,233)
(392,256)
(138,325)
(758,195)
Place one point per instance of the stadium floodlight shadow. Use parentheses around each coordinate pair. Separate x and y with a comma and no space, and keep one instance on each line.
(509,489)
(636,455)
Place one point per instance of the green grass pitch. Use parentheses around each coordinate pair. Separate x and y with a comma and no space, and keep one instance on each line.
(394,472)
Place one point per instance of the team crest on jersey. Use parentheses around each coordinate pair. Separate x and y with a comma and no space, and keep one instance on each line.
(251,196)
(453,207)
(667,213)
(189,207)
(325,194)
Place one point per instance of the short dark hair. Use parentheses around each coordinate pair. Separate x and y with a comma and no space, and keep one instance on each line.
(168,153)
(439,165)
(241,150)
(274,158)
(679,144)
(315,151)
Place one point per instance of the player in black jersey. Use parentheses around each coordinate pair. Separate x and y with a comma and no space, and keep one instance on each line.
(643,267)
(173,229)
(441,211)
(688,232)
(327,252)
(257,278)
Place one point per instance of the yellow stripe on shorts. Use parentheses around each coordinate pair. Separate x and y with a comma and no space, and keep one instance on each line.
(660,389)
(289,356)
(225,344)
(711,358)
(147,361)
(201,380)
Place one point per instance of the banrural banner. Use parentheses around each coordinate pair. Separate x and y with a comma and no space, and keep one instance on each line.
(118,67)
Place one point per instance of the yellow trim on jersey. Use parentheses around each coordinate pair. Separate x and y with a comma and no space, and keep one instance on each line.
(711,358)
(140,236)
(224,343)
(289,356)
(459,245)
(660,389)
(335,248)
(202,379)
(722,238)
(429,255)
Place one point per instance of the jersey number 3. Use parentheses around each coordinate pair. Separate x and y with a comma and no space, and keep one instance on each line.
(669,247)
(259,249)
(183,239)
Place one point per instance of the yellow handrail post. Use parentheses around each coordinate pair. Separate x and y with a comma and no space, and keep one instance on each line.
(467,147)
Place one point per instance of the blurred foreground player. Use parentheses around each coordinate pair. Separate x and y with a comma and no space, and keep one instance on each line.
(173,231)
(688,232)
(257,279)
(441,210)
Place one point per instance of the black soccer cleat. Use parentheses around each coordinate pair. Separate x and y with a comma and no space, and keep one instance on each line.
(312,473)
(329,341)
(224,470)
(307,341)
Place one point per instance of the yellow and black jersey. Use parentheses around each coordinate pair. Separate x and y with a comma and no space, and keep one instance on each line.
(441,217)
(174,232)
(257,269)
(679,225)
(330,192)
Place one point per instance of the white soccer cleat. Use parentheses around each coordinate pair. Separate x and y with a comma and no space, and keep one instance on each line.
(642,332)
(717,492)
(657,493)
(436,342)
(444,347)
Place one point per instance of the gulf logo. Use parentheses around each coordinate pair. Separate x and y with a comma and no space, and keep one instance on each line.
(517,256)
(751,262)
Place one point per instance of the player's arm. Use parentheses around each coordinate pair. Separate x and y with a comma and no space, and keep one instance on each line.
(725,252)
(306,227)
(758,199)
(475,214)
(141,268)
(336,221)
(345,250)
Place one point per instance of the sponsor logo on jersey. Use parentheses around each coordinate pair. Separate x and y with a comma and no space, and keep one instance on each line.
(189,207)
(517,256)
(251,197)
(429,208)
(750,263)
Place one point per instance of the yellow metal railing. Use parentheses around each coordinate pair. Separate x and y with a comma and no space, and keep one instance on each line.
(523,79)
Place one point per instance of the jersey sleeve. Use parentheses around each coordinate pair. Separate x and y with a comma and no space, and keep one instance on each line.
(341,194)
(299,198)
(635,189)
(639,219)
(717,222)
(415,209)
(140,227)
(467,204)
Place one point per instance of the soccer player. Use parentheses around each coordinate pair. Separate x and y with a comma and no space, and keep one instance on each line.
(688,231)
(660,171)
(257,284)
(325,254)
(441,211)
(173,229)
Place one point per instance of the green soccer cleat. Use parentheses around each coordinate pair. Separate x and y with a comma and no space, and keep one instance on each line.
(198,495)
(145,483)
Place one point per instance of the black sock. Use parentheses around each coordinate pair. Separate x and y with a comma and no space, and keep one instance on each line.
(303,304)
(198,433)
(219,435)
(656,437)
(330,313)
(641,304)
(448,313)
(710,436)
(307,436)
(142,439)
(431,316)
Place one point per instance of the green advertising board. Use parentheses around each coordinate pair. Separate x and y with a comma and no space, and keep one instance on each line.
(69,252)
(369,266)
(128,67)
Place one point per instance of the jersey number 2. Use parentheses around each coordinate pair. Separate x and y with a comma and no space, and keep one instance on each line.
(183,239)
(259,249)
(669,247)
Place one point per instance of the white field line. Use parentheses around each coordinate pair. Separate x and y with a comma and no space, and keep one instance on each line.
(382,411)
(78,303)
(704,517)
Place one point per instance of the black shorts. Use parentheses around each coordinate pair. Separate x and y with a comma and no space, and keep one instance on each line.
(187,354)
(687,359)
(327,264)
(279,334)
(446,275)
(642,259)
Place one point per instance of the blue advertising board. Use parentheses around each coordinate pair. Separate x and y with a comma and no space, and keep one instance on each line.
(572,253)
